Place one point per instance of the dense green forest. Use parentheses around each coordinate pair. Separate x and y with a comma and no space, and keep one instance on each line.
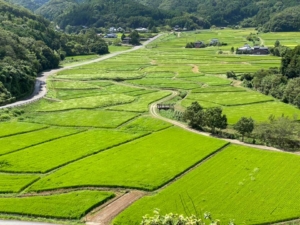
(123,13)
(29,4)
(270,15)
(283,84)
(29,45)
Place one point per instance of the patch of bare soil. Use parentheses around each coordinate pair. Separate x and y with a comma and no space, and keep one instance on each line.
(236,83)
(195,69)
(153,62)
(105,214)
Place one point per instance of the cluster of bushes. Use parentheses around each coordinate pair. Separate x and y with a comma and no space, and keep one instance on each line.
(204,45)
(8,114)
(280,132)
(271,82)
(283,83)
(253,38)
(199,118)
(176,219)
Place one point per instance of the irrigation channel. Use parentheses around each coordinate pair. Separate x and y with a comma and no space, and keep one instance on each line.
(104,214)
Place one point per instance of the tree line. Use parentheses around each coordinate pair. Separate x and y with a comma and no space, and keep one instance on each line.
(282,83)
(282,132)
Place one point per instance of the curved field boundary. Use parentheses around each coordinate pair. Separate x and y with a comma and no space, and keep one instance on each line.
(154,113)
(40,89)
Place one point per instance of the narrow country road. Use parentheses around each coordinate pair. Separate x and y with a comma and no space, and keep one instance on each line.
(40,89)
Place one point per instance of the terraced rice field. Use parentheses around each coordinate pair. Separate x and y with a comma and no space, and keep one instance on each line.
(138,164)
(94,132)
(244,184)
(12,183)
(21,141)
(50,155)
(84,118)
(71,205)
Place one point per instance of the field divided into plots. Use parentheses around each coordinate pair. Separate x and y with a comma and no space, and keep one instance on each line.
(12,183)
(146,163)
(71,205)
(50,155)
(21,141)
(240,183)
(94,130)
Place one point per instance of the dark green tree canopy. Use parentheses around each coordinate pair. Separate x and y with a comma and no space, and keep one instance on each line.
(214,119)
(244,126)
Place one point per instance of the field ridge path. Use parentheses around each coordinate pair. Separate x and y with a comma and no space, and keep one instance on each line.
(105,215)
(153,112)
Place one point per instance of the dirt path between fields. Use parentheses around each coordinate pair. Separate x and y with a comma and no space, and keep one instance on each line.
(154,113)
(106,213)
(40,89)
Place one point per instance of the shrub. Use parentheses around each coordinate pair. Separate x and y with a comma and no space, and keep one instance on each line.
(175,219)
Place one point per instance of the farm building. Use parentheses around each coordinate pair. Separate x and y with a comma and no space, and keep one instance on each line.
(214,41)
(257,50)
(142,30)
(111,35)
(199,44)
(126,40)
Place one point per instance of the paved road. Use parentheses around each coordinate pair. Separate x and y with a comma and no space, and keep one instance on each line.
(40,89)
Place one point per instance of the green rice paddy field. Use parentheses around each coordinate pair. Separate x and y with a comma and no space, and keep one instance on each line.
(94,130)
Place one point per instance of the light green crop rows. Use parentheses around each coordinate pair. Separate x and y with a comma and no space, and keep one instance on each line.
(88,102)
(145,123)
(15,183)
(231,98)
(225,88)
(209,80)
(247,185)
(142,103)
(260,112)
(165,83)
(145,163)
(70,85)
(187,102)
(16,142)
(10,128)
(47,156)
(71,205)
(84,118)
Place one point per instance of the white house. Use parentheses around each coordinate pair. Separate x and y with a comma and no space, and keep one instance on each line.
(142,30)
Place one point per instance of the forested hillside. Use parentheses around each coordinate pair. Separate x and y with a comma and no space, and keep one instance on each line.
(29,45)
(270,15)
(123,13)
(55,8)
(29,4)
(229,12)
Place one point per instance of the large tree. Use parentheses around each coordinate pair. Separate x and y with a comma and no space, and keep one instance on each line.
(214,119)
(244,126)
(194,115)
